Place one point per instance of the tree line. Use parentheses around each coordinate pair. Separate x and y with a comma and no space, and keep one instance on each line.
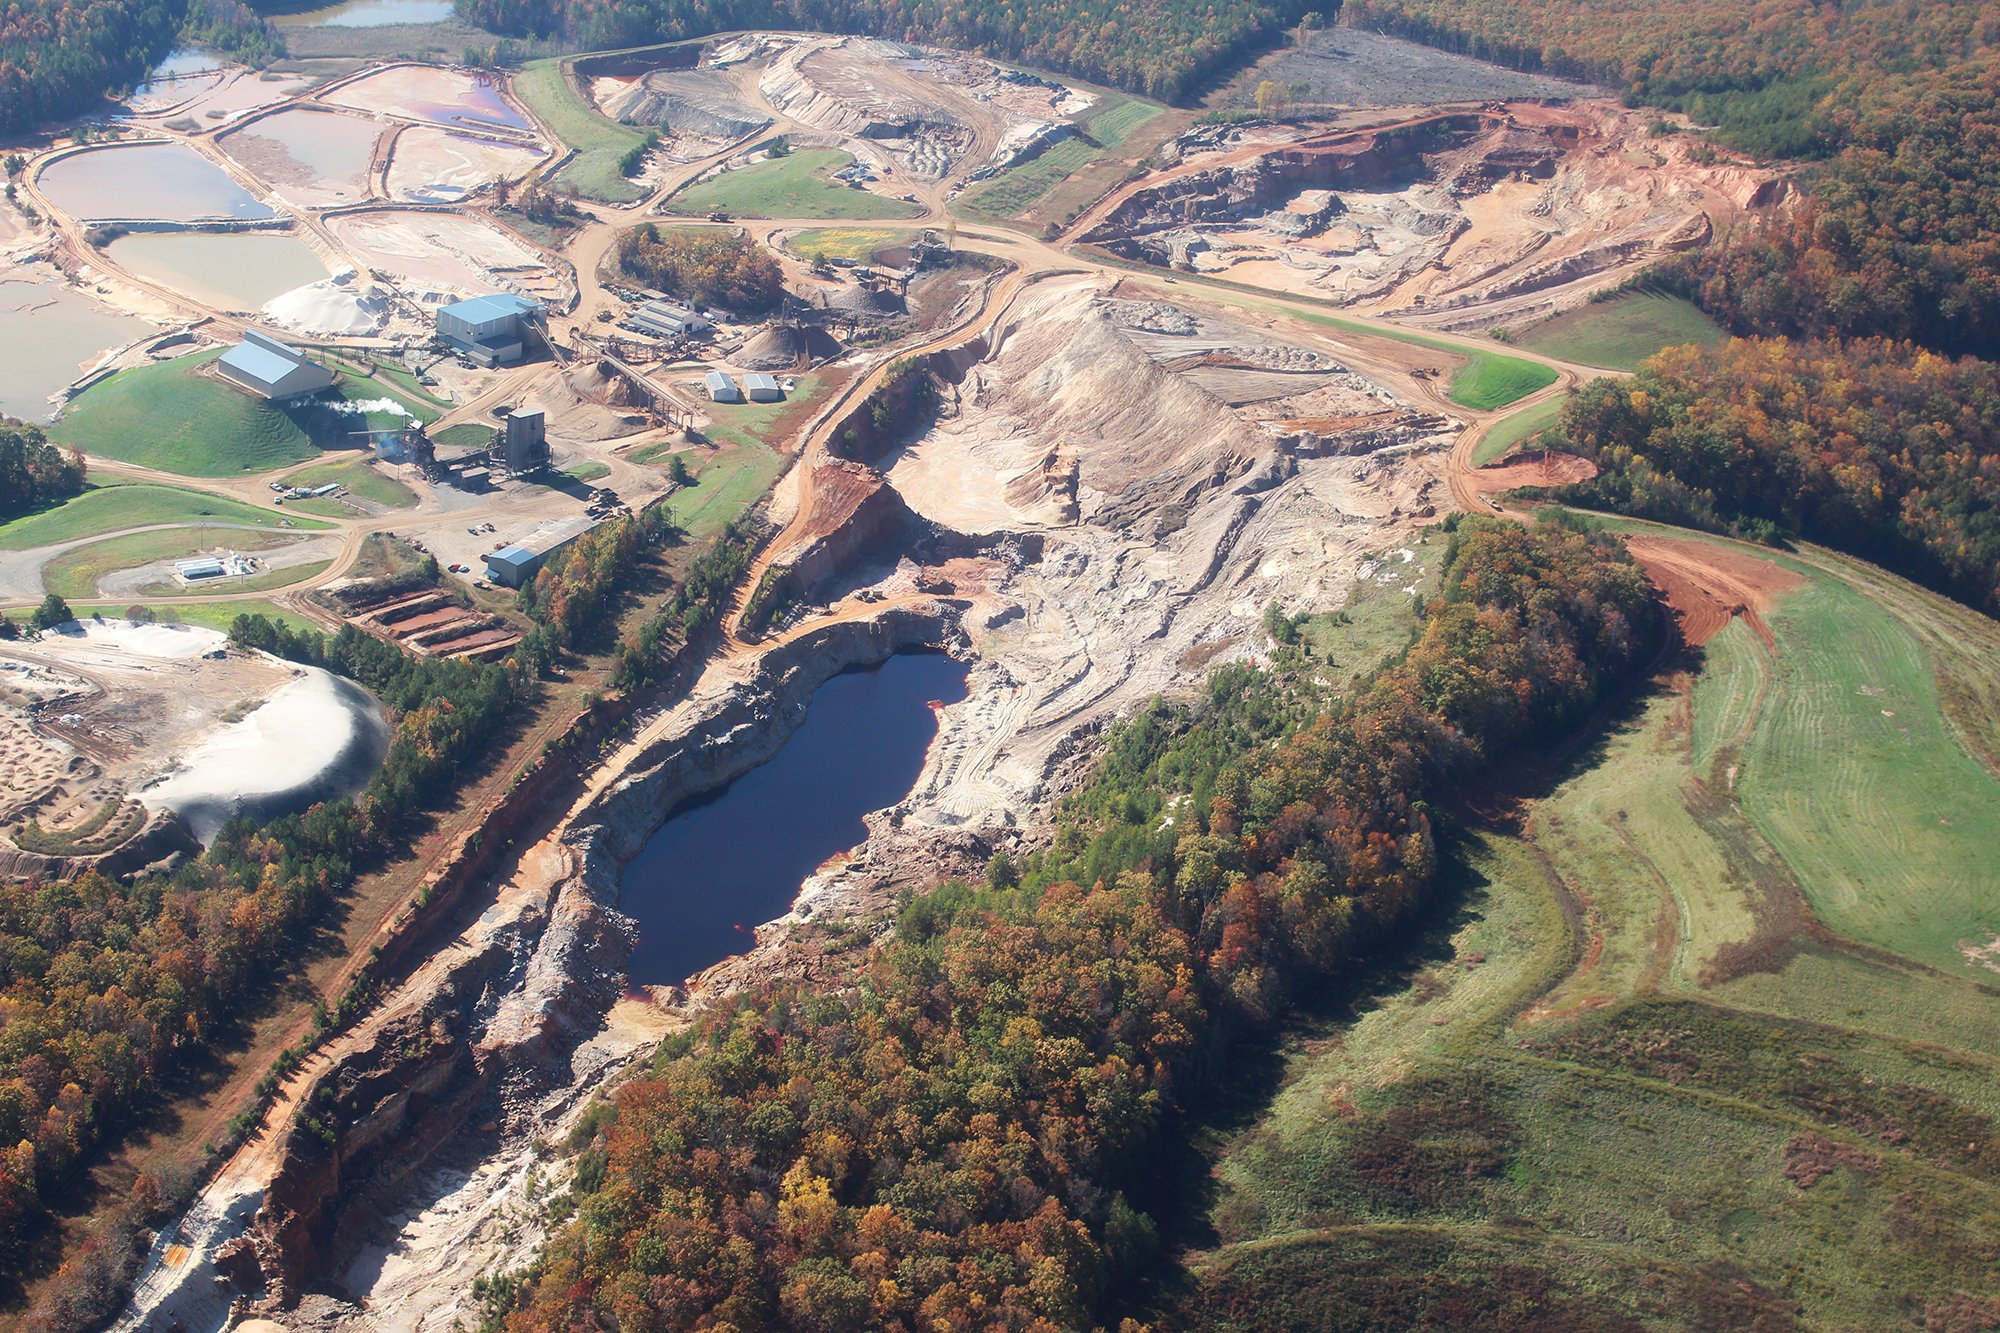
(34,473)
(1877,448)
(1161,48)
(969,1136)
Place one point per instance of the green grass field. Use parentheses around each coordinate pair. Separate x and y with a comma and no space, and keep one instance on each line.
(601,142)
(1017,189)
(210,615)
(465,435)
(856,243)
(794,186)
(104,509)
(1620,333)
(1620,1079)
(75,573)
(172,417)
(358,476)
(1517,429)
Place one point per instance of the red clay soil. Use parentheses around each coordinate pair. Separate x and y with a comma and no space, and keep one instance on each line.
(1538,469)
(1709,585)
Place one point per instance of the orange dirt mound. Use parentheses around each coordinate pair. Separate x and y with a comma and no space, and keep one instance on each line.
(1708,585)
(1540,469)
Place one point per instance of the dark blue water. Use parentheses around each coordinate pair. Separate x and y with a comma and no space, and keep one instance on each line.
(733,860)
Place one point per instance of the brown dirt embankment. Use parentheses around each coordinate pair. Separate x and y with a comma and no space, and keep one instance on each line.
(1708,585)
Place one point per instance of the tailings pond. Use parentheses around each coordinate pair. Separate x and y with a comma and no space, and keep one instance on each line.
(228,270)
(368,14)
(735,859)
(52,334)
(150,180)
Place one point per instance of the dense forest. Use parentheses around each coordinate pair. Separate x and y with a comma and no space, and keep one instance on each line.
(33,472)
(60,57)
(705,266)
(109,989)
(965,1138)
(1162,48)
(1876,448)
(1900,102)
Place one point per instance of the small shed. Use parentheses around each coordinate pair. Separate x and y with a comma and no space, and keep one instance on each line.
(763,388)
(721,388)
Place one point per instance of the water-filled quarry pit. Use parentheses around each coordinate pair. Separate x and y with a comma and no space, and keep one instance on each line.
(734,858)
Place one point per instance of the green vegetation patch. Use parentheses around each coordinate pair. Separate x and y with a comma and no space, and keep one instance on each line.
(114,508)
(173,417)
(75,573)
(589,470)
(1018,189)
(1516,429)
(465,435)
(856,243)
(1850,772)
(797,185)
(359,477)
(1622,332)
(601,143)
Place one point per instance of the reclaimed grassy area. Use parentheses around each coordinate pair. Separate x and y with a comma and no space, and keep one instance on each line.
(1620,333)
(104,509)
(1621,1079)
(798,185)
(209,615)
(601,142)
(1515,430)
(1017,189)
(359,477)
(174,417)
(76,573)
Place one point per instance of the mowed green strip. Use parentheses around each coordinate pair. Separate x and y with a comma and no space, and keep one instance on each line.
(1619,334)
(600,141)
(1850,773)
(115,508)
(1517,429)
(798,185)
(210,615)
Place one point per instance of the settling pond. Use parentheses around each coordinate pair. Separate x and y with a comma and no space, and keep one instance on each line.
(51,334)
(233,270)
(735,858)
(147,180)
(368,14)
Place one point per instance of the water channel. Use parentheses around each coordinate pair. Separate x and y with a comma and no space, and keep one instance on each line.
(735,858)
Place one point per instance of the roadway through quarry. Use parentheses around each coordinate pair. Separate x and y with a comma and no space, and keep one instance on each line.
(1087,477)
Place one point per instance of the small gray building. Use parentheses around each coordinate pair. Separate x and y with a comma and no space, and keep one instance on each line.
(763,388)
(271,370)
(721,388)
(488,329)
(667,319)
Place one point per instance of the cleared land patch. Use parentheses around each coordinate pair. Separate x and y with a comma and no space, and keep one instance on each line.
(1622,332)
(797,185)
(76,573)
(1017,189)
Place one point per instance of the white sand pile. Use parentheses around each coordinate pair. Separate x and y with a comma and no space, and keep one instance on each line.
(169,641)
(341,305)
(317,738)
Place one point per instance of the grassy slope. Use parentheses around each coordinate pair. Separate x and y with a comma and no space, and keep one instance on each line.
(600,141)
(213,615)
(1622,332)
(113,508)
(856,243)
(793,186)
(1584,1097)
(172,417)
(1523,425)
(1017,189)
(1486,380)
